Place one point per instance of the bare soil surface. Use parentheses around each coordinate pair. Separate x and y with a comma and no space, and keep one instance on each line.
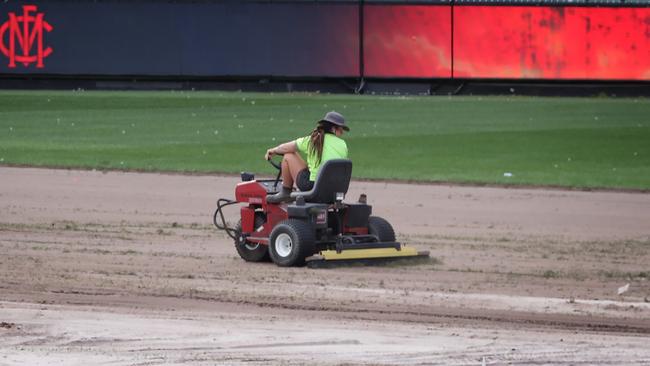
(126,269)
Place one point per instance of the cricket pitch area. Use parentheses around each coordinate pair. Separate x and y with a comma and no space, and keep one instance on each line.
(114,268)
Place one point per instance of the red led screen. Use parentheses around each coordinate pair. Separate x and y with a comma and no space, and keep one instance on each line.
(551,43)
(407,41)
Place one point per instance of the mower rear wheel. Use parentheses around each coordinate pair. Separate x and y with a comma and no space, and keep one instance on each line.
(381,228)
(291,241)
(251,252)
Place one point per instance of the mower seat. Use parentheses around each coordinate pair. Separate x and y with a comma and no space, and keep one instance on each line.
(333,177)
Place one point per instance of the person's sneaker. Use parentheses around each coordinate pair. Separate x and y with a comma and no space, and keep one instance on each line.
(283,196)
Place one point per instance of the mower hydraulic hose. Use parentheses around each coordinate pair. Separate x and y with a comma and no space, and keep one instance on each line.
(221,203)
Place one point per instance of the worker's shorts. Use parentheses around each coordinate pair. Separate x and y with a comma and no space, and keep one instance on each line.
(302,180)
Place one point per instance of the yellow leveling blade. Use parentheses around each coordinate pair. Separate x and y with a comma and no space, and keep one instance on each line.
(330,255)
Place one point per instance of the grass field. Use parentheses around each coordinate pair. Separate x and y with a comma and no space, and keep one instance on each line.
(573,142)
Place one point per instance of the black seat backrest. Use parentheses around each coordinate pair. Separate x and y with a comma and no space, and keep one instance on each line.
(333,177)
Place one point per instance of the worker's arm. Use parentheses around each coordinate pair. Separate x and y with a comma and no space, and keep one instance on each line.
(287,147)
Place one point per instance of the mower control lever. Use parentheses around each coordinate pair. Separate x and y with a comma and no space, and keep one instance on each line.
(277,166)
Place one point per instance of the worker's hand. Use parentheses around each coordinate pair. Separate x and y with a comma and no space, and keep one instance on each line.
(269,154)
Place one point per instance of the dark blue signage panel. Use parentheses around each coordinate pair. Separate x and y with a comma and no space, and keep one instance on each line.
(181,39)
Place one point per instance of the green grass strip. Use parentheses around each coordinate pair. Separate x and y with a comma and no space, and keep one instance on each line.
(570,142)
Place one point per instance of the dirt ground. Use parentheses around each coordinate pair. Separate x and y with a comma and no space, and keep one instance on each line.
(126,269)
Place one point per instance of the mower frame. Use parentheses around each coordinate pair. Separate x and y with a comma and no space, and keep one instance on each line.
(313,228)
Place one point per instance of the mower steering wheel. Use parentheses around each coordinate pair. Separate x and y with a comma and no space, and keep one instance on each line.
(277,166)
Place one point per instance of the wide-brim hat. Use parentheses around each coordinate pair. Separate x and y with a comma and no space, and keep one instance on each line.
(335,118)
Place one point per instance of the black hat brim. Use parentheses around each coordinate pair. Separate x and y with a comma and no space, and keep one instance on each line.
(336,124)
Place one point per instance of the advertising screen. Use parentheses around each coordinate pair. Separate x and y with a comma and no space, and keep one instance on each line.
(411,41)
(522,42)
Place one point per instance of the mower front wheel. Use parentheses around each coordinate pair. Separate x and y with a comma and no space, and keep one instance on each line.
(291,242)
(251,252)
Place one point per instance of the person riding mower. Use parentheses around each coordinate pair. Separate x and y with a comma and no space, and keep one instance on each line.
(313,225)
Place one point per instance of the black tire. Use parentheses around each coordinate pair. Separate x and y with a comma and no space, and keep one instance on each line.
(248,251)
(381,228)
(291,241)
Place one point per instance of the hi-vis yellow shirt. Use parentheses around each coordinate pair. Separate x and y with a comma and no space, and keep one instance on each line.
(334,147)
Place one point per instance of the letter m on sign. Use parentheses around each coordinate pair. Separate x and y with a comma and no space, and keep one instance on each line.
(26,33)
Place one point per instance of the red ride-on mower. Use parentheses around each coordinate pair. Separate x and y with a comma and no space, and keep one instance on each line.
(317,228)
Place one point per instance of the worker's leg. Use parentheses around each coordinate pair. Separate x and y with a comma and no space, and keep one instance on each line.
(292,164)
